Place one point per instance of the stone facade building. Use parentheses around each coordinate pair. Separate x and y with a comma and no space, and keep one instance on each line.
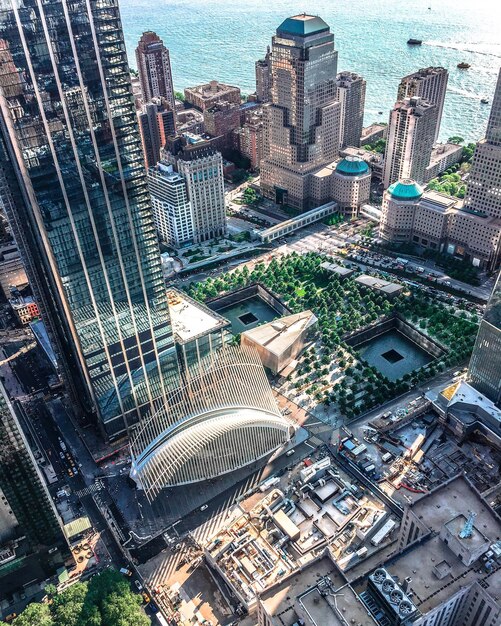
(205,96)
(440,223)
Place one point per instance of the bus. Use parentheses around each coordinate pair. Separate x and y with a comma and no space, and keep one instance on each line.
(160,619)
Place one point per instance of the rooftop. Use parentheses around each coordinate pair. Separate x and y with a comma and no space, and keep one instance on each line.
(438,201)
(340,270)
(379,284)
(303,25)
(446,505)
(299,597)
(462,396)
(352,166)
(278,335)
(190,319)
(405,189)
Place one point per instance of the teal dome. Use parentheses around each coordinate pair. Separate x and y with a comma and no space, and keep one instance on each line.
(302,25)
(352,166)
(405,189)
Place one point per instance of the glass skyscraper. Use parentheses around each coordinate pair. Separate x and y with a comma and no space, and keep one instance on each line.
(32,543)
(484,372)
(73,184)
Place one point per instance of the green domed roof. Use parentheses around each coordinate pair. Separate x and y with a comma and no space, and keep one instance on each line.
(302,25)
(405,189)
(352,166)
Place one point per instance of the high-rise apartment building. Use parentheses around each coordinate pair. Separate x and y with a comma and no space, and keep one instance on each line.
(31,537)
(301,123)
(74,187)
(201,166)
(351,95)
(250,139)
(411,135)
(484,182)
(484,372)
(430,84)
(171,206)
(157,121)
(153,65)
(263,77)
(220,120)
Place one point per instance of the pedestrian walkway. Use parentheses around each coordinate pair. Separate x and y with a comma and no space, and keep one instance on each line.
(98,485)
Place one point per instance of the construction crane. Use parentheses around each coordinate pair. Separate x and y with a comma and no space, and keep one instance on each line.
(467,529)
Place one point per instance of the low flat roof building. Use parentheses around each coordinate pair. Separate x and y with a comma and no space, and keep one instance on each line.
(205,96)
(317,595)
(392,290)
(197,329)
(339,270)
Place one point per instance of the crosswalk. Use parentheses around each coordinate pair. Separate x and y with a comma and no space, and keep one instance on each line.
(98,485)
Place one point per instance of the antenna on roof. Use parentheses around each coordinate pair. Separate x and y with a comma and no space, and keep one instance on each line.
(467,529)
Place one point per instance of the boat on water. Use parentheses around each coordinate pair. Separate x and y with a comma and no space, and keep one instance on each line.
(463,65)
(414,42)
(484,101)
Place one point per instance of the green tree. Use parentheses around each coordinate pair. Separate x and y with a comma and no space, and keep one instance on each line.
(35,614)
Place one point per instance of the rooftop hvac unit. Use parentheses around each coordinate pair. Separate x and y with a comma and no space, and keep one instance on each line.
(396,596)
(388,586)
(379,576)
(405,608)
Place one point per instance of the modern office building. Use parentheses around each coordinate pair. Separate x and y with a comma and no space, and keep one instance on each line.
(351,95)
(484,188)
(74,188)
(222,420)
(201,166)
(411,135)
(205,96)
(301,123)
(171,206)
(153,66)
(263,78)
(32,543)
(440,223)
(430,84)
(157,121)
(484,372)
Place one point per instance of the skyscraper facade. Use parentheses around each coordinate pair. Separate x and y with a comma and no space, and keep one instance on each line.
(301,123)
(74,187)
(29,525)
(263,77)
(484,372)
(201,166)
(484,182)
(411,135)
(157,121)
(153,66)
(351,96)
(171,206)
(430,84)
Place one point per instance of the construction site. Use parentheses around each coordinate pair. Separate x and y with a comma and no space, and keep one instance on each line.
(318,507)
(413,453)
